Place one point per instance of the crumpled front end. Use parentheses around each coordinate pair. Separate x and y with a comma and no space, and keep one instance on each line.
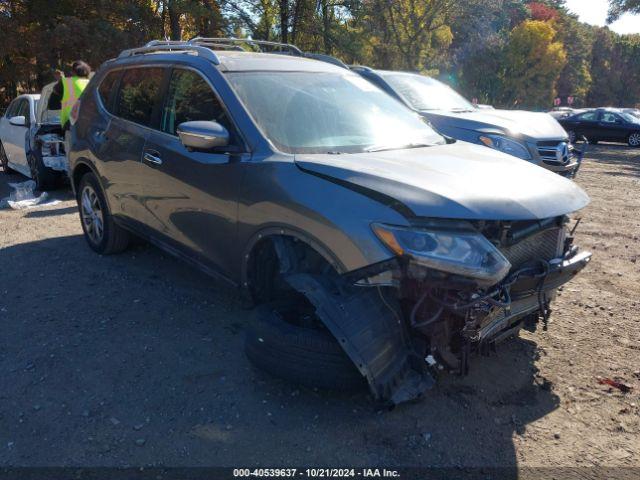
(445,316)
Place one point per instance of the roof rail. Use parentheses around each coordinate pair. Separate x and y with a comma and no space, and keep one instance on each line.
(292,49)
(204,47)
(159,46)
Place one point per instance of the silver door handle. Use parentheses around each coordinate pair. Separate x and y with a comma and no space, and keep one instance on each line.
(152,158)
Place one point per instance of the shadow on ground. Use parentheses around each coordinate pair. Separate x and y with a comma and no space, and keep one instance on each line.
(624,160)
(137,359)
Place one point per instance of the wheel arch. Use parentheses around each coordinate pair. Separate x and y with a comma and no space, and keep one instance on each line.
(269,235)
(81,168)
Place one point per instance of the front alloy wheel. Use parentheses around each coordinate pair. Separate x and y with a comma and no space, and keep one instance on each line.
(4,160)
(634,139)
(92,216)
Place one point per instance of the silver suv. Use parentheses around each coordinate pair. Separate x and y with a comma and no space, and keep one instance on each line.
(373,248)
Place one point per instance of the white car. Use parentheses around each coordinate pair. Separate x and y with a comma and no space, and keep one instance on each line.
(14,129)
(32,140)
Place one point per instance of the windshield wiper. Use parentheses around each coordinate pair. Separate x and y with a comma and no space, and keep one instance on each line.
(377,148)
(461,110)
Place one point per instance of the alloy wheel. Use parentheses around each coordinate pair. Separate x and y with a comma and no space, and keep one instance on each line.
(572,136)
(634,139)
(92,215)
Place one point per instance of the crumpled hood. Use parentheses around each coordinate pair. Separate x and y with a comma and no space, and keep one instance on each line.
(457,181)
(513,123)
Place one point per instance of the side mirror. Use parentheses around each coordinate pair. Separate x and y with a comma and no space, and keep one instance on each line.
(203,135)
(18,121)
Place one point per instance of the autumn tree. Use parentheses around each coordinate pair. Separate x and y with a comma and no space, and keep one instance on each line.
(533,62)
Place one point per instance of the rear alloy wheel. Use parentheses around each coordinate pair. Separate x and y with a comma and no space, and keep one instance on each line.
(634,139)
(4,160)
(103,235)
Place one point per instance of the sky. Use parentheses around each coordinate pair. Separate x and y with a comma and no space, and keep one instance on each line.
(594,12)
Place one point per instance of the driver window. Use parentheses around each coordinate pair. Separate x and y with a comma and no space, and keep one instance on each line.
(190,98)
(11,111)
(23,110)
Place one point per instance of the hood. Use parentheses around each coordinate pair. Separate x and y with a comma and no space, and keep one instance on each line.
(456,181)
(512,123)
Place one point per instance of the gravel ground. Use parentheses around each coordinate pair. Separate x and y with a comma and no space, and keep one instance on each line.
(137,359)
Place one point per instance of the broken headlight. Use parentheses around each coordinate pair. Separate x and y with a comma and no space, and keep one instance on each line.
(506,145)
(464,253)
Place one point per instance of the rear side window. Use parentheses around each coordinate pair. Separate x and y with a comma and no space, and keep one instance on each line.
(106,88)
(588,117)
(138,94)
(191,98)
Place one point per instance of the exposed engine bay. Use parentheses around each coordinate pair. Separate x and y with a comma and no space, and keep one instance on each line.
(50,144)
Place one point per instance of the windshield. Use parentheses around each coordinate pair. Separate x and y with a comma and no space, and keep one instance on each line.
(424,93)
(629,117)
(311,112)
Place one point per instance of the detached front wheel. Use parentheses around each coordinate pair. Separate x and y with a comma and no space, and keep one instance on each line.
(286,345)
(102,234)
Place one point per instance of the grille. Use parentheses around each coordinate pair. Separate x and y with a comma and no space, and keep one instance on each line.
(554,152)
(544,245)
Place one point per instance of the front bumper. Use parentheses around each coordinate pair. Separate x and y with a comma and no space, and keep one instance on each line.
(527,295)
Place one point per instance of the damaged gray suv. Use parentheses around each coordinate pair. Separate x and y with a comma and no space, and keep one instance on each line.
(373,249)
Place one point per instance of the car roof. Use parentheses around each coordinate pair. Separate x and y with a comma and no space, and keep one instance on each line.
(235,61)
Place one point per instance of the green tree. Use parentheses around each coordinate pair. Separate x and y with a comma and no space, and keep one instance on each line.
(618,7)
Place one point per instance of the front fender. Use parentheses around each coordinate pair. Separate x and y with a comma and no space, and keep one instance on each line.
(332,218)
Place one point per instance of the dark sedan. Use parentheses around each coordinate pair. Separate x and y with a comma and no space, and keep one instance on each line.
(604,125)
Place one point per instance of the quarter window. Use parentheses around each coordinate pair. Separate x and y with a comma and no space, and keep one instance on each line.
(138,94)
(190,98)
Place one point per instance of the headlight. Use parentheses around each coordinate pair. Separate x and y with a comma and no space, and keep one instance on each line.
(505,145)
(468,254)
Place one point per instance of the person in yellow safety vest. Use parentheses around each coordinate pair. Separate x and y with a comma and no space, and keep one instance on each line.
(67,91)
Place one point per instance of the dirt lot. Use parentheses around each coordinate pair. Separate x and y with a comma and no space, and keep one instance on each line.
(137,359)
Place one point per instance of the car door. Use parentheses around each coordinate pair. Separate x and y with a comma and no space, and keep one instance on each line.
(586,124)
(193,195)
(613,127)
(118,138)
(5,127)
(16,136)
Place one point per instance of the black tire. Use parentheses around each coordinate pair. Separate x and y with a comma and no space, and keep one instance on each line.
(572,136)
(304,355)
(45,178)
(4,161)
(633,139)
(112,238)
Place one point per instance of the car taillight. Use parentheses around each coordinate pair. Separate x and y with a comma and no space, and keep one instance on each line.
(75,110)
